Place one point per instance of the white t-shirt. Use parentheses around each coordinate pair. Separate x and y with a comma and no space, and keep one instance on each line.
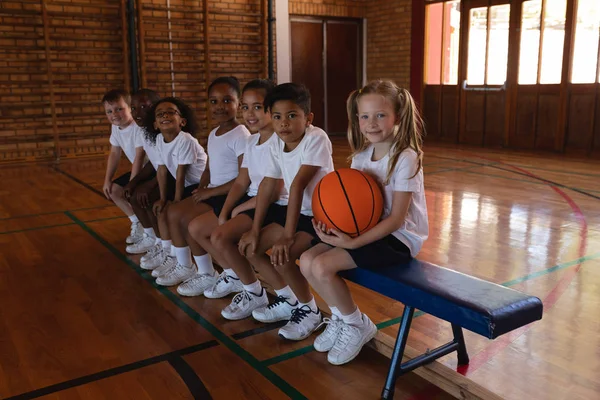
(127,139)
(223,153)
(183,150)
(415,229)
(314,149)
(151,151)
(254,161)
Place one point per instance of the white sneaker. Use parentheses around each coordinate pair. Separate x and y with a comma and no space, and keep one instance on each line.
(244,303)
(154,250)
(136,233)
(302,323)
(350,341)
(141,246)
(176,275)
(197,284)
(325,341)
(279,310)
(168,263)
(223,286)
(153,262)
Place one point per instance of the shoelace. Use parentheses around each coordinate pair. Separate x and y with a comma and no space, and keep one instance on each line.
(171,268)
(223,277)
(278,301)
(299,313)
(242,297)
(330,322)
(134,228)
(346,332)
(154,251)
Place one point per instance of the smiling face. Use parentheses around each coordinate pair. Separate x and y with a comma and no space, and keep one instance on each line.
(140,104)
(376,118)
(290,122)
(223,102)
(118,113)
(168,119)
(253,110)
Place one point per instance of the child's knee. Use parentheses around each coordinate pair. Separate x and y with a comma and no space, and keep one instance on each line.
(218,239)
(195,228)
(116,190)
(305,264)
(320,270)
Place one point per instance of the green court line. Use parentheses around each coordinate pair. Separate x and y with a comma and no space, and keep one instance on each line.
(459,169)
(57,212)
(287,356)
(557,171)
(284,386)
(37,228)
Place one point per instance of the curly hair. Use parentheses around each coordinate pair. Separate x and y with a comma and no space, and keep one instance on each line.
(185,111)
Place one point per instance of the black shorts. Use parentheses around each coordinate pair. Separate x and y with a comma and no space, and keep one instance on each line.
(123,179)
(216,202)
(384,252)
(279,214)
(187,191)
(272,211)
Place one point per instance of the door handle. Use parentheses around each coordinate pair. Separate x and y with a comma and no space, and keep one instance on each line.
(483,89)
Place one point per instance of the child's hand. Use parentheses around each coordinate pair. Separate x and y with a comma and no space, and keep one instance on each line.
(107,189)
(332,237)
(200,195)
(158,207)
(236,211)
(248,243)
(222,218)
(128,190)
(280,253)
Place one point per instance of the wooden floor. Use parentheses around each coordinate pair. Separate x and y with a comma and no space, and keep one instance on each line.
(79,319)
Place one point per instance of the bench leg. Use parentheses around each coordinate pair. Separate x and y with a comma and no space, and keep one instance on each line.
(390,383)
(463,357)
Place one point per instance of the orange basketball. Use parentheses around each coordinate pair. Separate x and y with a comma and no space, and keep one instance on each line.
(348,200)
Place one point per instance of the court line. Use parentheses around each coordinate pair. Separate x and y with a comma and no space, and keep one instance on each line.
(190,378)
(37,228)
(58,212)
(230,343)
(113,371)
(259,330)
(82,183)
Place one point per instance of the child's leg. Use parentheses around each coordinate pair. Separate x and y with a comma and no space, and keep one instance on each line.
(149,237)
(166,259)
(119,199)
(343,341)
(199,230)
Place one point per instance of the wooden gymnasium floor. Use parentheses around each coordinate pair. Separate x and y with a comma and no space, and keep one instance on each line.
(79,319)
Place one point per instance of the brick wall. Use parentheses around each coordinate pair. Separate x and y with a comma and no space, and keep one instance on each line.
(389,39)
(329,8)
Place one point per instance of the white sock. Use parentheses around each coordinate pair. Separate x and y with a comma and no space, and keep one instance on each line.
(311,304)
(133,218)
(287,292)
(230,273)
(149,232)
(204,264)
(254,288)
(353,319)
(336,312)
(184,256)
(166,245)
(172,251)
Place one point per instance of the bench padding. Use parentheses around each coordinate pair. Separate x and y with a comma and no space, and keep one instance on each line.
(482,307)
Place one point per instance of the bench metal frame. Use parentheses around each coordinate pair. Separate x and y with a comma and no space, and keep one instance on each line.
(398,368)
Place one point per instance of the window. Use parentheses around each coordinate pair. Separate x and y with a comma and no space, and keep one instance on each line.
(542,41)
(585,49)
(442,37)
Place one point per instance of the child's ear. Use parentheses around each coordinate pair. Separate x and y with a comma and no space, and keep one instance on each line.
(183,122)
(155,125)
(309,118)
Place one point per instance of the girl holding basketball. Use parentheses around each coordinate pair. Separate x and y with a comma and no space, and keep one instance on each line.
(385,136)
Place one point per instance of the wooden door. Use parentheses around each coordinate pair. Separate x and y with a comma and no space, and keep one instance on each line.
(307,63)
(326,57)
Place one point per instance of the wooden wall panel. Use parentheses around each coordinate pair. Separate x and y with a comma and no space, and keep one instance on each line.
(431,109)
(547,121)
(449,121)
(475,122)
(495,114)
(525,122)
(580,120)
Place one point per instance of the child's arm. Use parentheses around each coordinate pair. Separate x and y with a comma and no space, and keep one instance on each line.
(180,181)
(281,249)
(161,177)
(143,175)
(400,204)
(238,189)
(249,240)
(138,161)
(111,167)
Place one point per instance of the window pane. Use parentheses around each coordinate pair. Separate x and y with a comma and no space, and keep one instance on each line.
(498,46)
(477,45)
(433,41)
(585,51)
(451,41)
(530,42)
(554,39)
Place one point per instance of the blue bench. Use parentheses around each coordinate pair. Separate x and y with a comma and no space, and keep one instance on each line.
(466,302)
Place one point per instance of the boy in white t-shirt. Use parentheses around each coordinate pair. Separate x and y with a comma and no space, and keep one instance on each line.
(125,137)
(301,157)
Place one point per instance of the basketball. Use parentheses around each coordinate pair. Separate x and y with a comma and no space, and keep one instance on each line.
(348,200)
